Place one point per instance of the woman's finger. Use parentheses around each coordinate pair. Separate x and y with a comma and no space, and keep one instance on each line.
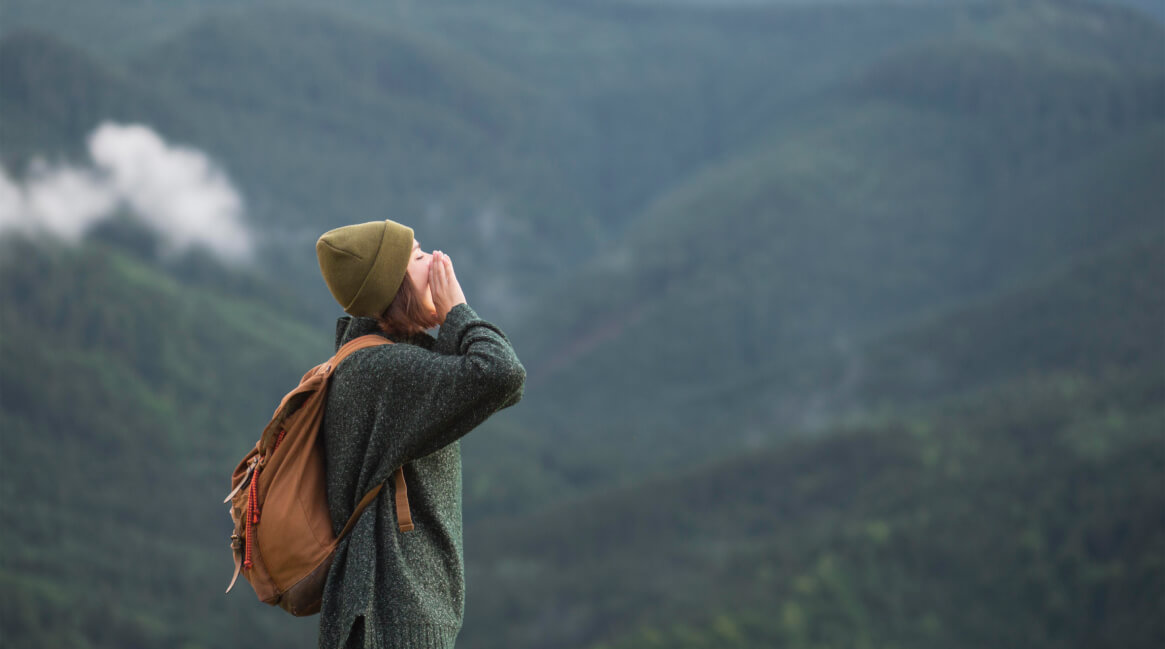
(436,271)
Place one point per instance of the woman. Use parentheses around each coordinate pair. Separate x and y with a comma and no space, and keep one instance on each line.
(404,404)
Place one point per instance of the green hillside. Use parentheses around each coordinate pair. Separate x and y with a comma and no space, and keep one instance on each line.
(657,90)
(1025,516)
(409,121)
(1022,511)
(1099,313)
(126,397)
(524,136)
(383,124)
(880,207)
(52,95)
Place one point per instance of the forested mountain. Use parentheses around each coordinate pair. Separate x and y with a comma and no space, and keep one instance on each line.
(956,185)
(54,94)
(1024,516)
(523,135)
(315,148)
(124,393)
(841,320)
(1006,492)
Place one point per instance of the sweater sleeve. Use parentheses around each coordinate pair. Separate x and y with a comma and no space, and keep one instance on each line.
(433,398)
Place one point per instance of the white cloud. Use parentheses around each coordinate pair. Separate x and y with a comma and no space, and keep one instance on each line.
(176,191)
(62,200)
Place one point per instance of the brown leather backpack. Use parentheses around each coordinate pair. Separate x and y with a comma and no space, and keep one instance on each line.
(283,540)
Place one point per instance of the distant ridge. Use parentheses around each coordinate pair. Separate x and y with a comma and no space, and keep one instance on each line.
(53,94)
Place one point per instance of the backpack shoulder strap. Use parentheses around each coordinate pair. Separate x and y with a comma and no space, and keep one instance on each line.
(354,345)
(403,513)
(310,387)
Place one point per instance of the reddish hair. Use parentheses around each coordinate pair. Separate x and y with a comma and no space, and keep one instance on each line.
(406,315)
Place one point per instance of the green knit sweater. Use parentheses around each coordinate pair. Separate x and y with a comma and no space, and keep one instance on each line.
(406,404)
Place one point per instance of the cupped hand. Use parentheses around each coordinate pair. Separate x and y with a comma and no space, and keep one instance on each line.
(443,285)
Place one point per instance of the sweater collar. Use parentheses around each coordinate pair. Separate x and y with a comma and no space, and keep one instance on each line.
(352,327)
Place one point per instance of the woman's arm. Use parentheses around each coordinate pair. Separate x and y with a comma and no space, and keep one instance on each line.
(429,399)
(447,295)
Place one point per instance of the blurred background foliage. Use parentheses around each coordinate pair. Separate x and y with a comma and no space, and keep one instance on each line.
(842,321)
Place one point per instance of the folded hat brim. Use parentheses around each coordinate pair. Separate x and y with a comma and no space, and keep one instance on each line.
(383,280)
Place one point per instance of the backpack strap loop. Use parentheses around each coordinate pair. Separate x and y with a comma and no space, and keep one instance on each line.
(404,516)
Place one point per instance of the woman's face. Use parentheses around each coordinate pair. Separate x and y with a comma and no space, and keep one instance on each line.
(419,275)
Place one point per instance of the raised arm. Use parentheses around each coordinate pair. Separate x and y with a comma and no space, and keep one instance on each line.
(472,373)
(417,401)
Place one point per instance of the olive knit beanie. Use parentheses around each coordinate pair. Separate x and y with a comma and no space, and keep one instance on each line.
(364,264)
